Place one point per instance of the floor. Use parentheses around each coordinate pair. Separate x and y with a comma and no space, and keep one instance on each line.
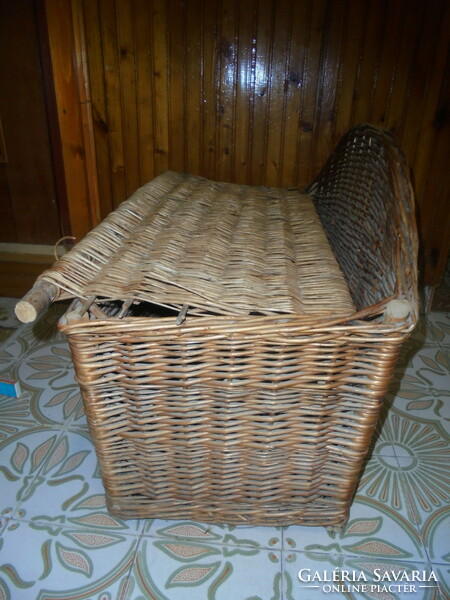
(58,541)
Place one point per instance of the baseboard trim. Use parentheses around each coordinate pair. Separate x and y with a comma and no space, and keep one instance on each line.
(20,265)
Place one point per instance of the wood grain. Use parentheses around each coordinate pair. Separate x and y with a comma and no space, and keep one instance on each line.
(260,92)
(28,203)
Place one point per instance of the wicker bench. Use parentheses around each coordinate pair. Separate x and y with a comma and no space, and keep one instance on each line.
(233,345)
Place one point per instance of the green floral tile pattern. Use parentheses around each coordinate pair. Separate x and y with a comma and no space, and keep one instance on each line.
(52,500)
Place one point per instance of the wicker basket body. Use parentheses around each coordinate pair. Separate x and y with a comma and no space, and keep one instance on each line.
(261,418)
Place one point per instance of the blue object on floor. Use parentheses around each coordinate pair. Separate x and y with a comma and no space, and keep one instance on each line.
(8,387)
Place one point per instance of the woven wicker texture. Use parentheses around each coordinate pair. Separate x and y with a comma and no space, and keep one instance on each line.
(261,421)
(216,247)
(236,418)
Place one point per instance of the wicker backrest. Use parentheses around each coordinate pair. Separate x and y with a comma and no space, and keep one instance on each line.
(365,201)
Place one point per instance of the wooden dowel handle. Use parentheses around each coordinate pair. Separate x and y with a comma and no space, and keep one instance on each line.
(36,300)
(397,310)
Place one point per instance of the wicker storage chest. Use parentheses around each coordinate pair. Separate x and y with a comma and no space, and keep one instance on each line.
(233,344)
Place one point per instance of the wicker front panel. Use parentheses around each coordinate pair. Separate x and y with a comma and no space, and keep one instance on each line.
(254,422)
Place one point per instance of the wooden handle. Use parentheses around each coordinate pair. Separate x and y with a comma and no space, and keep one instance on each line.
(397,310)
(38,299)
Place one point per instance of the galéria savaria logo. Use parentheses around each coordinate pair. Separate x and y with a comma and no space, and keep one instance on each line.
(381,581)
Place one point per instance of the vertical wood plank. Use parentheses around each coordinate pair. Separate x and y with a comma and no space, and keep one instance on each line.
(277,92)
(371,48)
(128,100)
(193,86)
(29,210)
(260,89)
(312,69)
(411,28)
(210,86)
(161,115)
(244,94)
(226,100)
(390,50)
(110,48)
(326,95)
(294,95)
(421,76)
(86,115)
(144,89)
(99,104)
(67,91)
(8,230)
(179,57)
(349,69)
(434,114)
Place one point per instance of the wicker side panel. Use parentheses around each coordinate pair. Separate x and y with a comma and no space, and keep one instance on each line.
(244,428)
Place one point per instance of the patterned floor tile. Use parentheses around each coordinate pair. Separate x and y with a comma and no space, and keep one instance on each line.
(436,535)
(309,575)
(15,416)
(28,337)
(52,497)
(422,448)
(374,530)
(443,575)
(48,385)
(58,483)
(424,384)
(22,459)
(64,564)
(379,525)
(230,535)
(9,323)
(168,569)
(439,326)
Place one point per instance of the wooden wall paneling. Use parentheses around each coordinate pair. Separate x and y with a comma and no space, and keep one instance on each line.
(372,29)
(210,85)
(85,108)
(29,213)
(324,126)
(260,105)
(246,55)
(316,24)
(194,86)
(395,15)
(277,91)
(421,76)
(421,159)
(181,145)
(3,153)
(226,99)
(261,91)
(94,46)
(404,68)
(425,168)
(144,89)
(7,218)
(294,93)
(69,82)
(435,222)
(159,28)
(350,64)
(128,98)
(111,64)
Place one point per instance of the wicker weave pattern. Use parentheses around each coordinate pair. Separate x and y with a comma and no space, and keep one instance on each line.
(261,418)
(216,247)
(256,422)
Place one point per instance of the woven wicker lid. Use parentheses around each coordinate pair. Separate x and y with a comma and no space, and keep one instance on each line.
(216,247)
